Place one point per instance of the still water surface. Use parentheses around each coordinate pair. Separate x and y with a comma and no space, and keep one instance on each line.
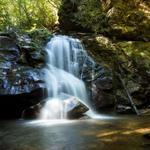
(94,134)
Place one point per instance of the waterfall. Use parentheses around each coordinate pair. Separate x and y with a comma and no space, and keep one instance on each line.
(65,57)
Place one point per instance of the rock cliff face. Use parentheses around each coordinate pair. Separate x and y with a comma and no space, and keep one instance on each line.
(118,39)
(121,58)
(21,80)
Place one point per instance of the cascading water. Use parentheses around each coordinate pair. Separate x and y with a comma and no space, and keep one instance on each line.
(65,58)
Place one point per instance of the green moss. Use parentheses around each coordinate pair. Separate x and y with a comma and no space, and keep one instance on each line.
(39,36)
(131,18)
(137,50)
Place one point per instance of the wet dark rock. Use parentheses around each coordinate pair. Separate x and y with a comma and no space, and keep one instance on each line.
(9,50)
(21,80)
(104,83)
(11,106)
(21,74)
(18,78)
(101,99)
(31,56)
(146,135)
(101,85)
(122,109)
(77,110)
(32,112)
(146,146)
(121,99)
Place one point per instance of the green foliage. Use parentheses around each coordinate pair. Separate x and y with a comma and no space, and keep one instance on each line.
(4,14)
(119,18)
(139,51)
(91,15)
(130,18)
(28,14)
(38,37)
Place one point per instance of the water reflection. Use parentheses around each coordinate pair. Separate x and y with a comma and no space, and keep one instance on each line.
(113,134)
(50,122)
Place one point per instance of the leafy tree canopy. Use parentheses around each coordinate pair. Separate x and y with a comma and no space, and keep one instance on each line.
(28,14)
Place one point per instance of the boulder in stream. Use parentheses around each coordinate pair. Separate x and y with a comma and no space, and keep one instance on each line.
(68,107)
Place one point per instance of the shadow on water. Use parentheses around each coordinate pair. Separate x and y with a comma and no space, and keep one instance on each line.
(93,134)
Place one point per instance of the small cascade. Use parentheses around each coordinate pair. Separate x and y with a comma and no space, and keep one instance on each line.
(64,68)
(54,109)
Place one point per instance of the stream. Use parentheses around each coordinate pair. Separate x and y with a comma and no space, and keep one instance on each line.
(121,133)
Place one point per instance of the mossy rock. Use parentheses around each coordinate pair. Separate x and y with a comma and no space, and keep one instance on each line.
(138,50)
(124,19)
(130,19)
